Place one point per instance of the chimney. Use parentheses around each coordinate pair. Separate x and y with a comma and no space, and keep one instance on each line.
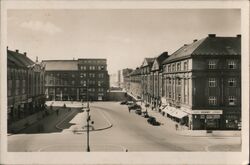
(239,35)
(185,44)
(17,50)
(24,53)
(195,40)
(211,35)
(36,59)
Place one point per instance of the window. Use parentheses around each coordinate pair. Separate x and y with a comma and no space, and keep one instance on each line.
(211,64)
(9,87)
(73,82)
(211,82)
(179,97)
(179,81)
(101,75)
(83,75)
(231,100)
(100,89)
(212,100)
(173,67)
(232,64)
(231,82)
(169,81)
(178,66)
(73,75)
(17,87)
(185,65)
(169,95)
(24,87)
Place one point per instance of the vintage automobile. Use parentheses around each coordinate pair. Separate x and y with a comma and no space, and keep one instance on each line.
(151,120)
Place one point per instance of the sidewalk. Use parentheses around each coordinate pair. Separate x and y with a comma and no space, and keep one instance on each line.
(101,122)
(183,130)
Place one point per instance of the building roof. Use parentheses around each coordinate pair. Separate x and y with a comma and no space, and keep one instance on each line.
(150,61)
(53,65)
(210,45)
(21,60)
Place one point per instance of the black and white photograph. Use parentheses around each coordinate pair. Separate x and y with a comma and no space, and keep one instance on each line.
(124,80)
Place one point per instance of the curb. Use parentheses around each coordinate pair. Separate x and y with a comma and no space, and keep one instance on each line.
(99,129)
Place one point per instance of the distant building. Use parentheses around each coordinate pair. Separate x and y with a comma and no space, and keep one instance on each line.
(82,79)
(125,78)
(25,86)
(135,86)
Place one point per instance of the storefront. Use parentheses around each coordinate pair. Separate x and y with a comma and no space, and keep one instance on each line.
(176,114)
(231,120)
(206,119)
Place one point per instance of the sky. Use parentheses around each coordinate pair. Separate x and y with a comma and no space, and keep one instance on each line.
(124,36)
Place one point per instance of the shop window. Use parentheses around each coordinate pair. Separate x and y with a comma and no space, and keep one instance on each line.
(232,100)
(212,82)
(212,64)
(231,82)
(231,64)
(212,100)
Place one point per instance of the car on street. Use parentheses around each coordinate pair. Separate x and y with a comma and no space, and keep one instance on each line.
(134,107)
(130,103)
(151,120)
(123,102)
(138,112)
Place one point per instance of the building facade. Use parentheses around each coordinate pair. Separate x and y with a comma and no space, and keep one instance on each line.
(199,85)
(82,79)
(203,83)
(135,85)
(25,86)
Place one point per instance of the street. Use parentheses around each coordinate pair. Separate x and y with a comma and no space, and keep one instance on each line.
(115,129)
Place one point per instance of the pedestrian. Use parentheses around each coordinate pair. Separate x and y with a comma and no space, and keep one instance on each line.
(129,110)
(176,126)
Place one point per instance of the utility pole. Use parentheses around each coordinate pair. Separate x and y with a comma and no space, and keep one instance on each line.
(88,117)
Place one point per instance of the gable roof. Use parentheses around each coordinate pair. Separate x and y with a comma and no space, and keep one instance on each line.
(53,65)
(19,59)
(210,45)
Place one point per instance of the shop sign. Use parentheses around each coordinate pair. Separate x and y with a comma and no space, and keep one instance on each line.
(219,112)
(212,116)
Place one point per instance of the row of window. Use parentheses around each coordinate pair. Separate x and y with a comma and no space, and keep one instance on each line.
(212,100)
(59,90)
(231,64)
(212,64)
(93,61)
(100,67)
(82,75)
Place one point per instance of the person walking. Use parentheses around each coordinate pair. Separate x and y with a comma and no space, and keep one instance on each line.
(176,127)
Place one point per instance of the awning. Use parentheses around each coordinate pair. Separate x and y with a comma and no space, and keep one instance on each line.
(174,112)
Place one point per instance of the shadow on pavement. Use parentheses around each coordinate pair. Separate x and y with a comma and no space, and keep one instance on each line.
(50,123)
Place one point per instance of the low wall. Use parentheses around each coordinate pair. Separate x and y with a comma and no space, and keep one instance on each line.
(116,96)
(213,133)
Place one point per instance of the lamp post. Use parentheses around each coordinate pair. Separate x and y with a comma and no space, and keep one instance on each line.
(88,118)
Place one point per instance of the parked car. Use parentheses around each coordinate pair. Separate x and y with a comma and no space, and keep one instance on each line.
(145,114)
(134,107)
(123,102)
(138,112)
(151,120)
(130,103)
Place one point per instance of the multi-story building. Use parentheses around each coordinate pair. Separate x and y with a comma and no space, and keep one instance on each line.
(126,78)
(156,79)
(82,79)
(135,87)
(124,75)
(146,79)
(203,83)
(25,86)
